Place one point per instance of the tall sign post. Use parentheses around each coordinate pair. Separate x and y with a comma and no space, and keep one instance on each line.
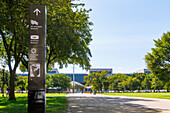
(37,54)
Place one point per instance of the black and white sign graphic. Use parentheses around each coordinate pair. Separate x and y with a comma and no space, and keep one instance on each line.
(37,11)
(33,50)
(34,37)
(33,55)
(35,70)
(34,22)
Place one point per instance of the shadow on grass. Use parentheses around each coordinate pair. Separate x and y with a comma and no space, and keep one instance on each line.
(18,106)
(54,105)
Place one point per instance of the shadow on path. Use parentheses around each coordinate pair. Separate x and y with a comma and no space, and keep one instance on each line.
(85,104)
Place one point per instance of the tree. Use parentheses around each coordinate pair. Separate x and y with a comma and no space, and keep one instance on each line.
(146,83)
(69,35)
(21,82)
(115,79)
(134,84)
(158,61)
(67,39)
(97,80)
(60,80)
(13,36)
(130,83)
(140,77)
(4,79)
(48,81)
(156,84)
(124,85)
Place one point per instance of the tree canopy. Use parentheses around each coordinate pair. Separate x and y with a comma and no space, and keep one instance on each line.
(158,61)
(115,79)
(60,80)
(97,80)
(68,34)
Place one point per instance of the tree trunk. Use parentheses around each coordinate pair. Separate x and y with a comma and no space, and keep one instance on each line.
(12,85)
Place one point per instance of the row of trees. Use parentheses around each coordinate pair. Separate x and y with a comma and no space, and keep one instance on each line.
(68,35)
(21,82)
(158,62)
(99,81)
(58,80)
(122,82)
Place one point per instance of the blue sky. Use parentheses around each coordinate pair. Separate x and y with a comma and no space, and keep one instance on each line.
(123,32)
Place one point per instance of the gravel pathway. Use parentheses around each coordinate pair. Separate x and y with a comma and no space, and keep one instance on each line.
(88,103)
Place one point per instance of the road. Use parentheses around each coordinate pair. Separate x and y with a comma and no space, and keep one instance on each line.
(88,103)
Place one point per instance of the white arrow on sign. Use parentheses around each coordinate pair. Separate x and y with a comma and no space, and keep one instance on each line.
(36,11)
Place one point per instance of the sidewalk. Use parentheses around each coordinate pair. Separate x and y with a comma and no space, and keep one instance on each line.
(89,103)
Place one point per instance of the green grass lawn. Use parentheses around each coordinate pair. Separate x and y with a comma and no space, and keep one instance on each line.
(55,94)
(54,104)
(147,95)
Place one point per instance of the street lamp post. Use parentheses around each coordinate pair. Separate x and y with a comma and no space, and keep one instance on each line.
(3,81)
(73,79)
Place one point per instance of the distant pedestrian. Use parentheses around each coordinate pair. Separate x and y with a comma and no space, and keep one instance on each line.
(90,91)
(94,92)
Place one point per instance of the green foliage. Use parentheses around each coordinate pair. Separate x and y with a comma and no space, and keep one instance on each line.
(23,68)
(68,34)
(115,79)
(137,81)
(48,81)
(21,83)
(97,80)
(123,82)
(156,84)
(13,35)
(60,80)
(134,83)
(6,80)
(140,76)
(158,61)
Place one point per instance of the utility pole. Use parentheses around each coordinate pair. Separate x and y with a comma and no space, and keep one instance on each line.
(73,79)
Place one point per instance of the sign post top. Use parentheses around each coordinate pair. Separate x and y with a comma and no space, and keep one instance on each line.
(38,11)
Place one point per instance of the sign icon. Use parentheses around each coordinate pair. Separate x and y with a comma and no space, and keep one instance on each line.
(35,70)
(34,37)
(32,57)
(33,50)
(34,22)
(36,11)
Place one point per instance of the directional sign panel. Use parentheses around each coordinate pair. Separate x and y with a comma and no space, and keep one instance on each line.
(37,54)
(37,43)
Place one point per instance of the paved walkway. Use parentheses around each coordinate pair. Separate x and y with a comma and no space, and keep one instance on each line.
(88,103)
